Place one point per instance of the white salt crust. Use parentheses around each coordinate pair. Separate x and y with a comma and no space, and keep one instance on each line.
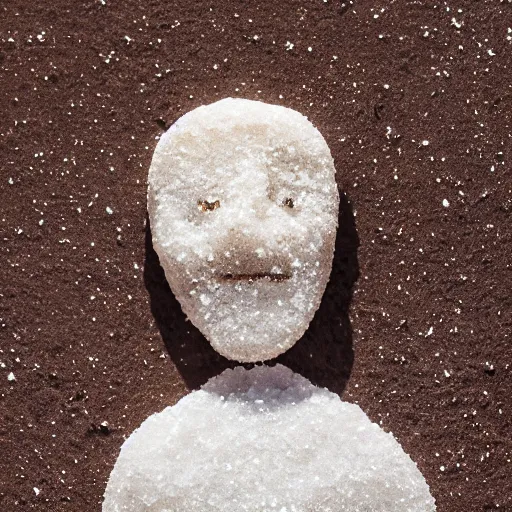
(264,440)
(243,206)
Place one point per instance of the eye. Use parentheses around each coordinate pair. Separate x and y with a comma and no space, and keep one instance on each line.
(288,201)
(206,206)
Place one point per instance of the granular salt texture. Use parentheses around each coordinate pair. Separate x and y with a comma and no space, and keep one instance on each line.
(264,440)
(243,206)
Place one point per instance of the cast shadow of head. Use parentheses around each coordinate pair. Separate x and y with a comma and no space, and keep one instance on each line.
(324,354)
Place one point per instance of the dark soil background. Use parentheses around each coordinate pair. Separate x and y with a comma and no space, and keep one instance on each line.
(415,101)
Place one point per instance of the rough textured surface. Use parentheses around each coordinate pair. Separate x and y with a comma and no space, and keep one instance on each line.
(243,205)
(79,362)
(264,440)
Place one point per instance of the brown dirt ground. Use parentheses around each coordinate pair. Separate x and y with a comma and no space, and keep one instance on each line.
(88,326)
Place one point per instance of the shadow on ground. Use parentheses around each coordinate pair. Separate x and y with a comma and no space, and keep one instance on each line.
(324,354)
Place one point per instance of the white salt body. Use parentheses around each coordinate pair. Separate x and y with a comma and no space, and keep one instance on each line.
(264,440)
(243,206)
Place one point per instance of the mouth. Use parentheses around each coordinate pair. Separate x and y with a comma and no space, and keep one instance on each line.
(275,277)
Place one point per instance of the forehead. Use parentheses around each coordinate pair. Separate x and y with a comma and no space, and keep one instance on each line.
(216,144)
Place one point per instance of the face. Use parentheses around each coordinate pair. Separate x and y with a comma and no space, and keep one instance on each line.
(243,207)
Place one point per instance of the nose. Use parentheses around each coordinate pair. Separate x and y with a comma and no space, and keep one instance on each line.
(249,207)
(257,232)
(256,241)
(252,250)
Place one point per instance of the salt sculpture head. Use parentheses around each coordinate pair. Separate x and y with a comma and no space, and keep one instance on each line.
(243,206)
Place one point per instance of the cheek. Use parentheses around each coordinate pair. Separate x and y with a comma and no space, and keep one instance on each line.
(311,224)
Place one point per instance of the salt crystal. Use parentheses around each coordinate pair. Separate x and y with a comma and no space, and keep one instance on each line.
(259,440)
(11,377)
(243,203)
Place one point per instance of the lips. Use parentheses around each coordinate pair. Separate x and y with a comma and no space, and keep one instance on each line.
(275,277)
